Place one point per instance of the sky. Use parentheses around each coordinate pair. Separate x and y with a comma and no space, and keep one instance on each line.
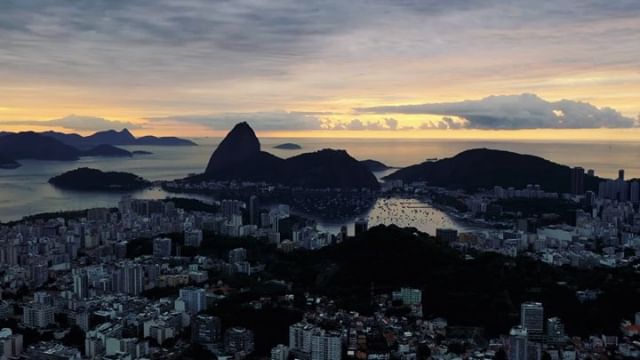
(358,68)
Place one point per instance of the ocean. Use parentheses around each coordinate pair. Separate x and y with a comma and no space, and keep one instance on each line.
(25,191)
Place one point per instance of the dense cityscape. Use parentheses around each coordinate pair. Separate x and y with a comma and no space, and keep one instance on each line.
(147,280)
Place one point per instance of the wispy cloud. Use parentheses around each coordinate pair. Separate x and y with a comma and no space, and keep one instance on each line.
(526,111)
(280,121)
(79,123)
(262,121)
(446,122)
(357,124)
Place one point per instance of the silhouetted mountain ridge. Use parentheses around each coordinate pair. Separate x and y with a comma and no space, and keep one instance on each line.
(241,144)
(238,157)
(52,145)
(31,145)
(486,168)
(113,137)
(35,146)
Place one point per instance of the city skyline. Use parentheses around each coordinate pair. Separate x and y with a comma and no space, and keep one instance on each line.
(325,69)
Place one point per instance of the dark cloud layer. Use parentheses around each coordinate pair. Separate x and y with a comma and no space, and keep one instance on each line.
(526,111)
(236,38)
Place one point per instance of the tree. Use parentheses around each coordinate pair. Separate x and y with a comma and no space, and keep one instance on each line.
(75,337)
(501,355)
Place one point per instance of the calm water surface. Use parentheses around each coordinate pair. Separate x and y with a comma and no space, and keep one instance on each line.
(25,190)
(402,212)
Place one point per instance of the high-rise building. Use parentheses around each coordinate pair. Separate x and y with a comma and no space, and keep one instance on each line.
(42,297)
(238,339)
(237,255)
(591,172)
(623,190)
(555,329)
(39,274)
(38,315)
(195,299)
(411,298)
(193,238)
(326,345)
(205,329)
(254,210)
(621,174)
(518,343)
(577,180)
(534,350)
(361,226)
(589,198)
(532,319)
(634,192)
(80,284)
(10,344)
(408,296)
(128,279)
(231,207)
(265,220)
(134,279)
(133,347)
(300,337)
(280,352)
(162,247)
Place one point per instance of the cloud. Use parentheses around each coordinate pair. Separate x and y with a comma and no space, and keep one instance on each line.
(218,39)
(80,123)
(280,121)
(526,111)
(261,121)
(245,38)
(445,123)
(357,124)
(392,124)
(209,56)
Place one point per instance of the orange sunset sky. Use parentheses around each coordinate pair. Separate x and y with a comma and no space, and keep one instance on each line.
(434,69)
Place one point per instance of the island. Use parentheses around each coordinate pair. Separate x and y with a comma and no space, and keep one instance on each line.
(8,163)
(106,151)
(288,146)
(141,152)
(87,179)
